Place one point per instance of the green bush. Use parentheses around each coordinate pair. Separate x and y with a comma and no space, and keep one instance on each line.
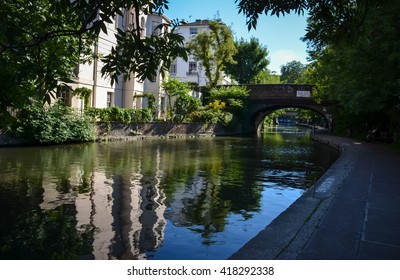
(212,116)
(234,98)
(117,114)
(51,124)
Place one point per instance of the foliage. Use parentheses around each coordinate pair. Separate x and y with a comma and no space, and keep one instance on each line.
(174,87)
(184,105)
(42,41)
(143,57)
(217,105)
(354,48)
(151,99)
(51,124)
(83,93)
(178,92)
(363,74)
(266,77)
(226,105)
(292,72)
(329,20)
(40,45)
(212,115)
(234,98)
(251,59)
(309,116)
(271,117)
(117,114)
(214,49)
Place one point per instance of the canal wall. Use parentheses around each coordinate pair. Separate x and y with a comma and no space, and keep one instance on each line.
(136,131)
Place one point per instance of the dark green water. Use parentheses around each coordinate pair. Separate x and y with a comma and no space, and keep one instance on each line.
(156,199)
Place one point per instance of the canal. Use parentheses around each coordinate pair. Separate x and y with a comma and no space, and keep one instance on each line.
(198,198)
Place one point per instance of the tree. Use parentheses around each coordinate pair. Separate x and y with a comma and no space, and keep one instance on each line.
(40,46)
(184,103)
(362,72)
(42,41)
(251,59)
(329,20)
(214,49)
(292,71)
(267,77)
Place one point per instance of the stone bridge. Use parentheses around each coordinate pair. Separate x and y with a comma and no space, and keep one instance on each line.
(267,98)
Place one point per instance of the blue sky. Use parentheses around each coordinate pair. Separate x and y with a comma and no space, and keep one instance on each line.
(280,35)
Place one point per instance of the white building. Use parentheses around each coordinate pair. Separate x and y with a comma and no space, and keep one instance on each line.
(89,75)
(154,85)
(127,93)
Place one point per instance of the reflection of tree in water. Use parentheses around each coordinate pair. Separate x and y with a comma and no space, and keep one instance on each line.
(207,212)
(34,233)
(206,192)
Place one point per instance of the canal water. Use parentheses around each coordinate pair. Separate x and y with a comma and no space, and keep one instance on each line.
(200,198)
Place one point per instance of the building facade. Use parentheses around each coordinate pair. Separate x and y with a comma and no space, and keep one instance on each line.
(126,93)
(129,93)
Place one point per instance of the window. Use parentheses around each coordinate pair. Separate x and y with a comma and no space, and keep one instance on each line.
(192,67)
(162,107)
(156,31)
(173,68)
(116,21)
(193,30)
(162,103)
(119,22)
(65,96)
(110,102)
(132,21)
(143,27)
(153,78)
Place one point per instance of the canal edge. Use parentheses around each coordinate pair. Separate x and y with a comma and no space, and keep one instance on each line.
(286,236)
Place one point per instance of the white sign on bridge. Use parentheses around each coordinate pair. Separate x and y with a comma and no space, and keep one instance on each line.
(303,93)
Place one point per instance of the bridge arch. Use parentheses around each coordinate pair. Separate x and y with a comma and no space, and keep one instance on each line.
(258,117)
(267,98)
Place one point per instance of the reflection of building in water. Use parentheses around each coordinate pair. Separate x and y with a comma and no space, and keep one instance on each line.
(182,198)
(125,210)
(101,217)
(152,218)
(138,213)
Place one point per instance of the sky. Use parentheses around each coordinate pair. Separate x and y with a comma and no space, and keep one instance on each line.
(281,36)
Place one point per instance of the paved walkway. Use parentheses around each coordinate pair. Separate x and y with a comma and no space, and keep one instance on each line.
(353,213)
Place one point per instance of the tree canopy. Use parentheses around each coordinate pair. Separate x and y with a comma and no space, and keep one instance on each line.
(42,41)
(251,59)
(292,72)
(214,49)
(329,20)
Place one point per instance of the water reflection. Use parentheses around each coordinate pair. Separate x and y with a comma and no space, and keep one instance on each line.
(158,199)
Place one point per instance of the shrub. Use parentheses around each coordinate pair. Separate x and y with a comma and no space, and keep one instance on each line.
(212,116)
(117,114)
(51,124)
